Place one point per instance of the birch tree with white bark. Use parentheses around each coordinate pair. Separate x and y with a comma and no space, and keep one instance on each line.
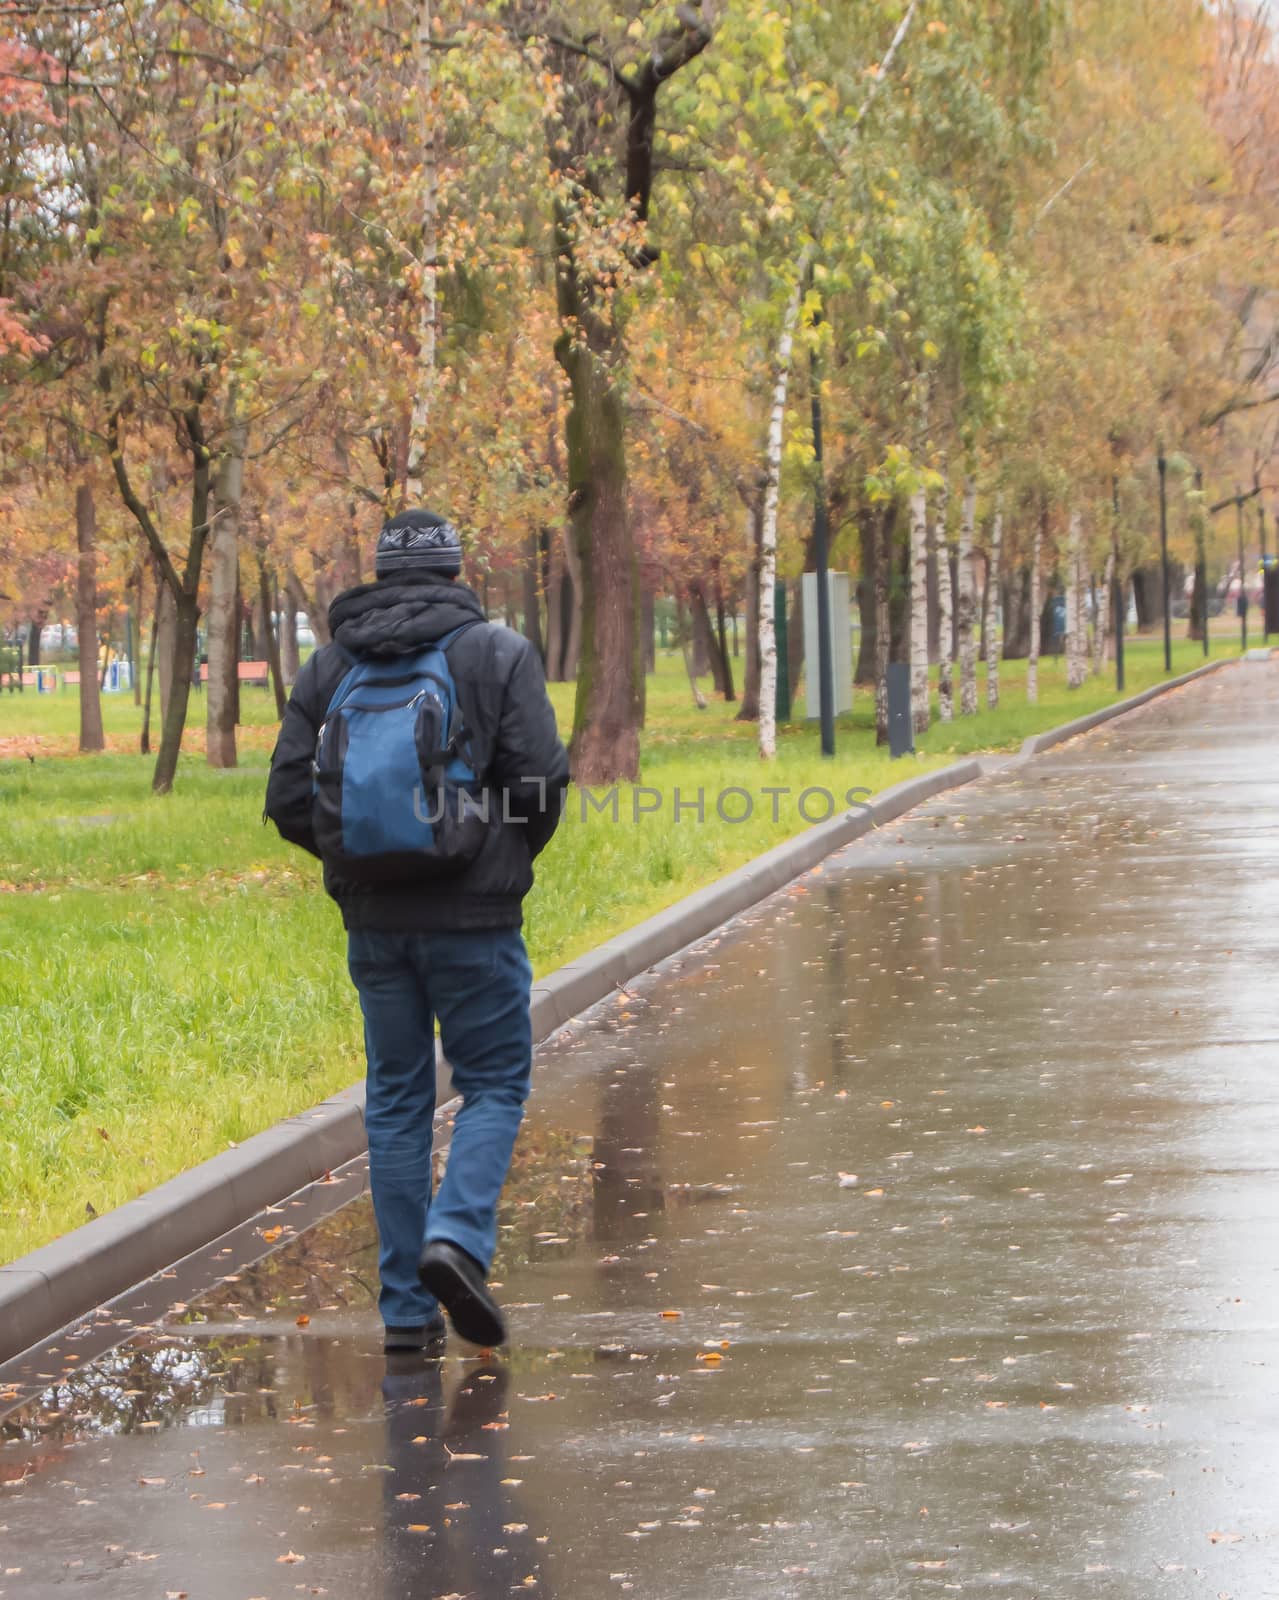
(992,642)
(1036,574)
(945,613)
(1102,616)
(768,537)
(804,264)
(967,620)
(1075,621)
(919,706)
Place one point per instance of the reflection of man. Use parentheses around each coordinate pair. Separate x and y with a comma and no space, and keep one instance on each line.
(426,946)
(451,1527)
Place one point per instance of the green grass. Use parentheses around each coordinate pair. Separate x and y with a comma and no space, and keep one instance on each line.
(172,977)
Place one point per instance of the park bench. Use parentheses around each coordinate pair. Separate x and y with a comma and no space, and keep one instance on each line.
(116,678)
(42,679)
(247,671)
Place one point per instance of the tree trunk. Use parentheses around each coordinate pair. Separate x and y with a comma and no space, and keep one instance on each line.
(1198,618)
(144,743)
(883,619)
(287,610)
(557,601)
(260,623)
(1101,613)
(1036,560)
(187,609)
(1075,654)
(706,652)
(685,631)
(186,615)
(1147,597)
(1017,616)
(317,613)
(591,349)
(166,636)
(867,540)
(224,603)
(898,593)
(33,637)
(919,708)
(967,634)
(272,639)
(933,599)
(945,613)
(992,591)
(795,635)
(748,711)
(768,527)
(648,628)
(86,527)
(721,634)
(531,568)
(135,638)
(574,604)
(248,625)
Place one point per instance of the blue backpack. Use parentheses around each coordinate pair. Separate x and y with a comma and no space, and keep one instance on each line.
(395,791)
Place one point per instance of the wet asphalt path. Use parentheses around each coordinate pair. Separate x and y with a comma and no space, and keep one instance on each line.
(914,1236)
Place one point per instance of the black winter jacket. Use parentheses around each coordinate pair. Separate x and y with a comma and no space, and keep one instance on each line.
(511,725)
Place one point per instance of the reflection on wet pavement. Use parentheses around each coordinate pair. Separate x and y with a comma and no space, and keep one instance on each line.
(915,1235)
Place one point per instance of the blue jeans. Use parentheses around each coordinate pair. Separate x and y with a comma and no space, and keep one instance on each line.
(477,984)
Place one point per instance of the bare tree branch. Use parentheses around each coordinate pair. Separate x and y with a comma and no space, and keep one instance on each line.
(1234,406)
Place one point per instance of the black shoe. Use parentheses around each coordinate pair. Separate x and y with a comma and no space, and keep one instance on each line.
(420,1337)
(457,1282)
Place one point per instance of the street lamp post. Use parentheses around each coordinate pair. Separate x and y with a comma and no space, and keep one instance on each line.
(1243,591)
(1201,557)
(1163,556)
(1117,587)
(821,551)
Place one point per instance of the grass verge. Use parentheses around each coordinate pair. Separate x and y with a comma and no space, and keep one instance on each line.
(172,978)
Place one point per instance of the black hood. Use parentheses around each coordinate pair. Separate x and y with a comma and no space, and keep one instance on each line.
(400,616)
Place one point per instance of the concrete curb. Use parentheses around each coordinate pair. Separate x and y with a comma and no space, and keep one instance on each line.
(568,991)
(51,1287)
(45,1290)
(1037,743)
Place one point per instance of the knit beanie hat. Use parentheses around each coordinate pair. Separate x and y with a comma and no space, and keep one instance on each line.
(418,541)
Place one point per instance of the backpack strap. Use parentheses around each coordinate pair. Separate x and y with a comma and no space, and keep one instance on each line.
(464,627)
(460,743)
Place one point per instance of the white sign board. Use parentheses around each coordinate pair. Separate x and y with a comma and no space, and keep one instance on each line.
(841,644)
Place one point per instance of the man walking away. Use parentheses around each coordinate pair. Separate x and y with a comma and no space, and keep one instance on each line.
(419,759)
